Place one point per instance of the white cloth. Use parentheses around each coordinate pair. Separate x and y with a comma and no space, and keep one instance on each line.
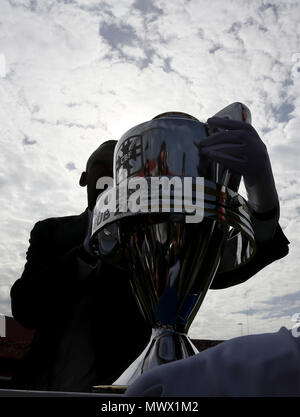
(250,366)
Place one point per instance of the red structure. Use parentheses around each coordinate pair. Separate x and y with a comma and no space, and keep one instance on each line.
(12,348)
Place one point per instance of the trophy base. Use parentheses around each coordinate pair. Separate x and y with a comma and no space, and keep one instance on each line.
(166,345)
(115,390)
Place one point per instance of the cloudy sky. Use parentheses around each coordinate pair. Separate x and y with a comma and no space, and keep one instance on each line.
(74,73)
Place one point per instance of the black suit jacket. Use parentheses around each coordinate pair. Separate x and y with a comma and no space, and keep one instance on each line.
(50,288)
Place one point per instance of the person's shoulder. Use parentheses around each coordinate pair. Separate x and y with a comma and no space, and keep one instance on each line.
(54,222)
(258,348)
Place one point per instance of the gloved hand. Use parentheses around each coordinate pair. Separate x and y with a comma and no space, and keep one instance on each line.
(240,148)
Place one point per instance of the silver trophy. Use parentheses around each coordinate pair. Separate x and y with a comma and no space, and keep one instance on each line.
(172,251)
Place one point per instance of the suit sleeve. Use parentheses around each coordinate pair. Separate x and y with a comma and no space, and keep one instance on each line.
(267,251)
(49,283)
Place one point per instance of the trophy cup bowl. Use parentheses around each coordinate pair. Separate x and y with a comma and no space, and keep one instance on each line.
(172,257)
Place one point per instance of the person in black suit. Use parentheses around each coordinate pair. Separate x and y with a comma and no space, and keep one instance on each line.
(81,309)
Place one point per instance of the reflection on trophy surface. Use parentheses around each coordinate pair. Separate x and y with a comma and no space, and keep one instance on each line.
(172,256)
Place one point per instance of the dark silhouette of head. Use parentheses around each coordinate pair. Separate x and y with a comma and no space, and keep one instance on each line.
(99,164)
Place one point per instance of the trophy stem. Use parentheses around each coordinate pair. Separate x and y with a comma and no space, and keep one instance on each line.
(166,345)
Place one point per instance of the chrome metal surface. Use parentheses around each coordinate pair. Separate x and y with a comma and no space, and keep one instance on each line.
(172,267)
(169,146)
(165,346)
